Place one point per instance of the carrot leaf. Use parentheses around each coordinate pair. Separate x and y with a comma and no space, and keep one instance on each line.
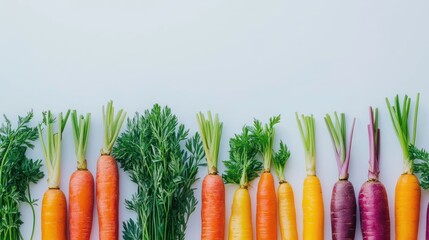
(52,146)
(399,116)
(264,135)
(420,158)
(242,166)
(112,126)
(211,132)
(338,135)
(80,135)
(280,159)
(308,135)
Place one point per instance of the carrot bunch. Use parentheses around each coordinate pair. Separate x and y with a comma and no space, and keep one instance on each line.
(54,205)
(312,200)
(241,168)
(285,197)
(107,176)
(343,200)
(213,188)
(81,187)
(407,191)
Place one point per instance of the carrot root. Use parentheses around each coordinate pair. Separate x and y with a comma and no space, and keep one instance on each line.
(266,209)
(287,212)
(407,207)
(240,222)
(213,208)
(343,211)
(312,206)
(54,215)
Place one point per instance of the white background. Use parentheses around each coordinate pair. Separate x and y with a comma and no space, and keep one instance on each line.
(241,59)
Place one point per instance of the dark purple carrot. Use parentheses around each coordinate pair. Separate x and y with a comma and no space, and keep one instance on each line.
(343,200)
(373,204)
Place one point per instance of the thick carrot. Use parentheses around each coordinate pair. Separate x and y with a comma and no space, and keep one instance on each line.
(285,198)
(373,204)
(266,211)
(407,191)
(241,168)
(312,207)
(81,204)
(240,222)
(54,215)
(81,187)
(266,204)
(312,200)
(54,206)
(107,176)
(213,207)
(107,190)
(286,211)
(343,200)
(213,188)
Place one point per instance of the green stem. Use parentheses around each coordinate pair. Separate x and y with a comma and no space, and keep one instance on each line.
(32,211)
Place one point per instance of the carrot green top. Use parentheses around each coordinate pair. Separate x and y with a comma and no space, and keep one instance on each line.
(242,166)
(280,159)
(80,136)
(265,138)
(307,129)
(374,145)
(211,132)
(339,141)
(52,146)
(399,116)
(112,126)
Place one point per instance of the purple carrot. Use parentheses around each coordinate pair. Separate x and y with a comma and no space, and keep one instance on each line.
(343,200)
(373,204)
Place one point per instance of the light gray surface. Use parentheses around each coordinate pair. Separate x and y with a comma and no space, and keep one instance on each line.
(241,59)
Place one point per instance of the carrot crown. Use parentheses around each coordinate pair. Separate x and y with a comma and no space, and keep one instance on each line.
(374,145)
(211,132)
(52,146)
(112,126)
(80,136)
(308,135)
(399,116)
(242,166)
(280,159)
(265,137)
(339,141)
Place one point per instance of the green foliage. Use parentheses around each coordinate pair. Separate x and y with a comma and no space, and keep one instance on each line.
(420,157)
(399,116)
(17,173)
(280,160)
(211,132)
(112,126)
(242,166)
(80,136)
(163,161)
(264,135)
(307,129)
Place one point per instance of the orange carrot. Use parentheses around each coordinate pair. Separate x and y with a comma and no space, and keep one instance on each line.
(312,199)
(213,189)
(54,206)
(407,191)
(107,176)
(266,204)
(266,210)
(285,198)
(54,215)
(81,187)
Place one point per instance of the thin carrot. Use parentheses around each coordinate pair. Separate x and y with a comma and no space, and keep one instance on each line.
(407,191)
(312,200)
(81,187)
(241,168)
(285,198)
(213,188)
(107,176)
(266,204)
(54,206)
